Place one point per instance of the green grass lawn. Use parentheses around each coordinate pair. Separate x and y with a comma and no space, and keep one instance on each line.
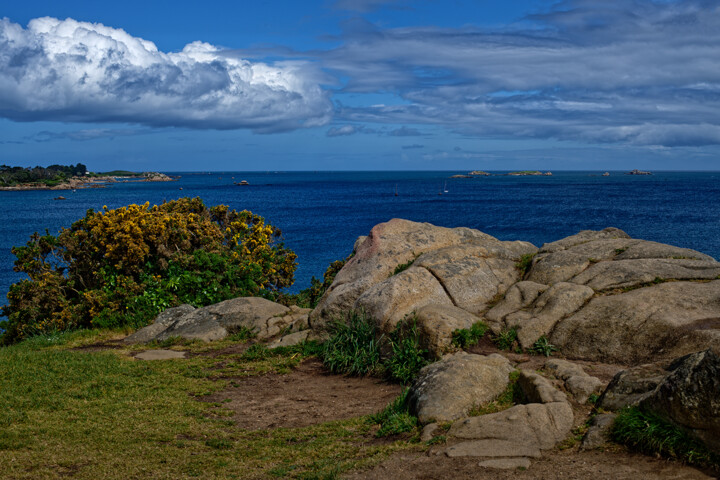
(67,413)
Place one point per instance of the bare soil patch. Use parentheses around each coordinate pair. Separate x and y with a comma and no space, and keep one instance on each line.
(554,465)
(308,395)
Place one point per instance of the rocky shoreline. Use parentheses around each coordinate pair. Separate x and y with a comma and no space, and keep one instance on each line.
(93,182)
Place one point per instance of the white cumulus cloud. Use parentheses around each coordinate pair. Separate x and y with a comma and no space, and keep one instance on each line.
(66,70)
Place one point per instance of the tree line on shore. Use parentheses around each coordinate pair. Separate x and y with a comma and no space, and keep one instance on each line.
(51,175)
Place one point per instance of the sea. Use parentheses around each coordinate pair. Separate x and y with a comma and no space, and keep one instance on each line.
(321,214)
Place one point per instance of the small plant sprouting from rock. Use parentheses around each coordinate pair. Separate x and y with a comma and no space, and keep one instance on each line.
(651,434)
(353,346)
(542,346)
(525,263)
(241,334)
(507,340)
(395,418)
(618,251)
(464,337)
(404,266)
(407,357)
(512,395)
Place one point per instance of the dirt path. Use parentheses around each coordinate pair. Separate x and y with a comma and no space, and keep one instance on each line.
(307,396)
(554,465)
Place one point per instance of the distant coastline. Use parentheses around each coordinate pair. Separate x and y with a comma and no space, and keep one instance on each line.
(94,181)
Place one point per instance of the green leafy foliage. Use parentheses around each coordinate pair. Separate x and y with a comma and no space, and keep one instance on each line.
(650,433)
(50,176)
(407,357)
(464,337)
(395,418)
(353,346)
(507,340)
(121,267)
(542,346)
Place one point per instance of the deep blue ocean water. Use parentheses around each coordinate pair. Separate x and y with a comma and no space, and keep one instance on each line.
(322,213)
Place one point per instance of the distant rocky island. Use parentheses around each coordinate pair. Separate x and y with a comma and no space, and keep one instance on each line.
(522,173)
(528,172)
(638,172)
(69,177)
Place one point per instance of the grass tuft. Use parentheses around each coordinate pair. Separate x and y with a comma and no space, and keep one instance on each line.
(395,418)
(463,338)
(525,263)
(542,346)
(651,434)
(407,357)
(354,345)
(403,266)
(507,340)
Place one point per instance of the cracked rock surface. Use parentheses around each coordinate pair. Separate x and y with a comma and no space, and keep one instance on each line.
(264,318)
(519,433)
(596,295)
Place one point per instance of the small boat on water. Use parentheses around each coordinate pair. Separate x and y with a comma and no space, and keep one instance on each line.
(242,182)
(445,190)
(396,190)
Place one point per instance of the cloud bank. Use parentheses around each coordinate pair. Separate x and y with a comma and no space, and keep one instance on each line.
(65,70)
(645,72)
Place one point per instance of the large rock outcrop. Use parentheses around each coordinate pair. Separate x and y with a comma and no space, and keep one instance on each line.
(452,266)
(597,295)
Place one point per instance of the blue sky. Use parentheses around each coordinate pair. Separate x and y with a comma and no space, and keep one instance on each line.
(361,84)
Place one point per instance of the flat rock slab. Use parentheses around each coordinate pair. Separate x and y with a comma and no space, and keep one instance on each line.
(493,447)
(159,355)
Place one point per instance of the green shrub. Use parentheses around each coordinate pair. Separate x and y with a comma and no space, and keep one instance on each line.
(406,357)
(257,351)
(309,297)
(506,340)
(463,338)
(651,434)
(542,346)
(121,267)
(395,418)
(353,347)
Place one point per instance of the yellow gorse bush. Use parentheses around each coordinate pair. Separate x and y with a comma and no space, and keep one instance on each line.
(122,266)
